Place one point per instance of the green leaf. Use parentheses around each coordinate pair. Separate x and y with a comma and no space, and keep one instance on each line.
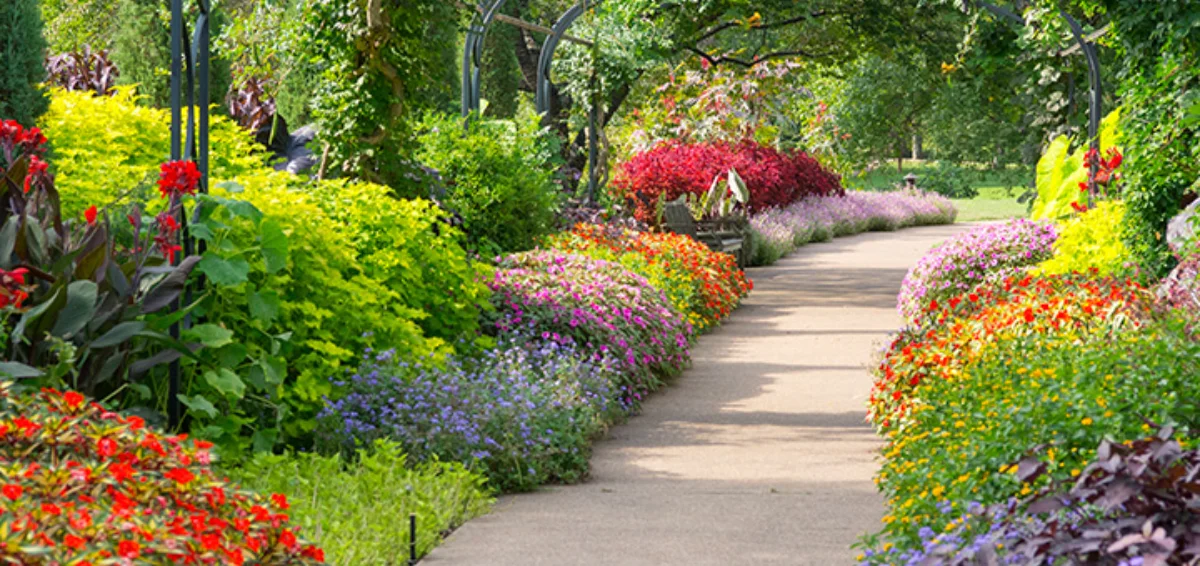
(231,187)
(737,186)
(264,440)
(211,335)
(227,382)
(264,305)
(224,272)
(274,246)
(198,403)
(80,307)
(17,370)
(167,290)
(232,355)
(274,369)
(119,334)
(1058,178)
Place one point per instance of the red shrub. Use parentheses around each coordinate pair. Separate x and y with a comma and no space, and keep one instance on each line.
(675,168)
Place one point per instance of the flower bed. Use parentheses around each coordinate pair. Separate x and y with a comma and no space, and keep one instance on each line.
(597,306)
(85,486)
(704,285)
(990,251)
(777,232)
(522,414)
(965,328)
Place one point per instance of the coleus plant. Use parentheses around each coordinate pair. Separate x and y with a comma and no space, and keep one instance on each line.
(1136,503)
(77,307)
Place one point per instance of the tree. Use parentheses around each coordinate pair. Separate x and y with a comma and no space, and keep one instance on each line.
(881,106)
(142,50)
(22,52)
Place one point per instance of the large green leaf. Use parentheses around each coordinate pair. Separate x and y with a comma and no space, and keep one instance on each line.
(210,335)
(119,334)
(198,403)
(1055,170)
(264,305)
(227,382)
(18,370)
(224,272)
(80,308)
(274,246)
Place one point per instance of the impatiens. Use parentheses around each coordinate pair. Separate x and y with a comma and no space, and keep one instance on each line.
(599,307)
(85,486)
(987,252)
(965,327)
(705,286)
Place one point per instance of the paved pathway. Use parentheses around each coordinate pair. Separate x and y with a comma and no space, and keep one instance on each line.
(757,455)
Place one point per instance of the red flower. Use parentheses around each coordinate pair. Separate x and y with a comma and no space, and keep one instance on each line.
(287,539)
(36,174)
(180,475)
(90,215)
(74,542)
(178,178)
(280,500)
(73,399)
(129,549)
(314,553)
(11,491)
(121,472)
(106,447)
(51,509)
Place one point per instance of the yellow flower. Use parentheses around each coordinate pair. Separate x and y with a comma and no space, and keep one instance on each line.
(1075,472)
(948,68)
(1087,421)
(938,491)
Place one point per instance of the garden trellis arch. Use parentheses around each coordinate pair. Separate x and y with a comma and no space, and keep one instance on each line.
(486,12)
(1087,46)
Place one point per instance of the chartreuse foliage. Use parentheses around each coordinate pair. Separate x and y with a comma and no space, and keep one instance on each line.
(104,146)
(355,510)
(1060,172)
(292,288)
(1090,241)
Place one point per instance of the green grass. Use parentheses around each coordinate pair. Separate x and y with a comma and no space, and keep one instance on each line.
(996,200)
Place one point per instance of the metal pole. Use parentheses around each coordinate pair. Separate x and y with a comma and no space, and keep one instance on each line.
(1095,111)
(412,539)
(174,412)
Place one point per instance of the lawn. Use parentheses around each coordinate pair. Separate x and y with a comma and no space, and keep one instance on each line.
(998,191)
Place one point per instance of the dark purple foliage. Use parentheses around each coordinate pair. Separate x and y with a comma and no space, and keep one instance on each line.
(83,70)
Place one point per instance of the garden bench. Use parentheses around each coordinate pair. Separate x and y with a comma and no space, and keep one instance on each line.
(717,235)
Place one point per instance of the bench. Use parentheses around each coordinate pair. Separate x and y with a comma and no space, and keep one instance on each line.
(717,235)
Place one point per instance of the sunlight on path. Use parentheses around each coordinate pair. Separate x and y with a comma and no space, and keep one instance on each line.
(757,455)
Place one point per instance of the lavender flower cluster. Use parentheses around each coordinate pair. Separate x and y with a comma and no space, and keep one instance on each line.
(523,413)
(777,232)
(986,252)
(599,307)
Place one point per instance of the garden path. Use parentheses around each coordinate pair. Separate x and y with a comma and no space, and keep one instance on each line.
(757,455)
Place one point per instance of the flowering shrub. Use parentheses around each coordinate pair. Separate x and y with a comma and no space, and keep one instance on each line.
(966,327)
(600,307)
(776,232)
(989,252)
(85,486)
(522,414)
(705,286)
(1059,394)
(675,168)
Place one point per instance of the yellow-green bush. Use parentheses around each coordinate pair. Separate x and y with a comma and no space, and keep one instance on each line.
(402,244)
(104,146)
(364,270)
(1091,240)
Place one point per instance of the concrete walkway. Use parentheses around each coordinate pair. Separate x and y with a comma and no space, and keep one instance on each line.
(757,455)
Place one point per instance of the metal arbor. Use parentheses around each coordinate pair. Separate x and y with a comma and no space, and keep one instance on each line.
(190,61)
(1088,46)
(486,12)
